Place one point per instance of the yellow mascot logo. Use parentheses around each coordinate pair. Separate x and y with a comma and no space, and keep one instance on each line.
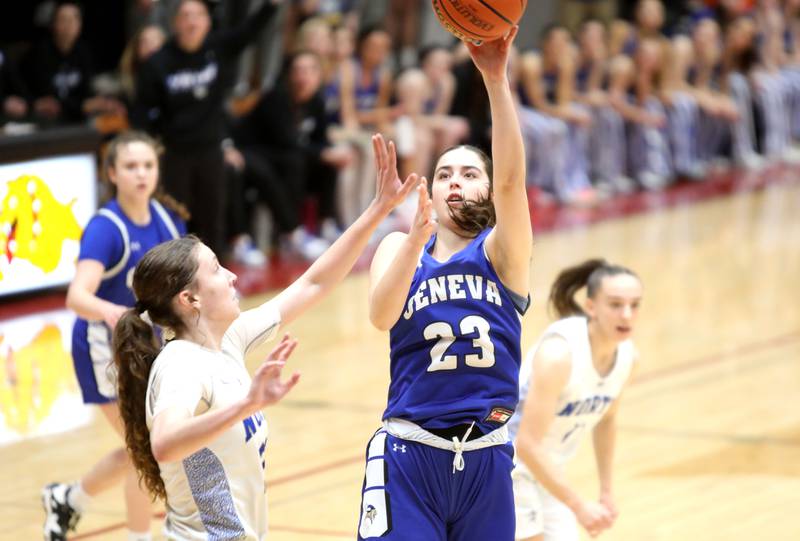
(34,225)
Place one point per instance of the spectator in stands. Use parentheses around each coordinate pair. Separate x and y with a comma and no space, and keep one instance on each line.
(649,22)
(283,151)
(545,139)
(403,23)
(357,97)
(340,59)
(791,66)
(333,13)
(634,91)
(335,47)
(413,132)
(791,17)
(718,111)
(12,93)
(58,72)
(180,95)
(418,132)
(574,12)
(773,92)
(315,35)
(448,130)
(144,43)
(366,83)
(548,85)
(344,43)
(683,111)
(739,58)
(607,144)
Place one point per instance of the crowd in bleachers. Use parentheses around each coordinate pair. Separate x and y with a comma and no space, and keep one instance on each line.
(269,104)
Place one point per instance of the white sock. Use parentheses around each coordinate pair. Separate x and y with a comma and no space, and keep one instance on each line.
(78,499)
(139,536)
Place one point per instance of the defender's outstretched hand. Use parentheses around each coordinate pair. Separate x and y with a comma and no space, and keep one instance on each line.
(424,223)
(389,189)
(267,388)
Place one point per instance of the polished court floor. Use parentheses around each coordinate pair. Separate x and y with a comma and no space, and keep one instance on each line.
(709,441)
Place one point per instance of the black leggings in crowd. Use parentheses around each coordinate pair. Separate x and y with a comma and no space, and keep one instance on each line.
(282,178)
(197,179)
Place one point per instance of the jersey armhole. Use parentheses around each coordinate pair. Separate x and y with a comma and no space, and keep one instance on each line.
(126,244)
(166,219)
(521,303)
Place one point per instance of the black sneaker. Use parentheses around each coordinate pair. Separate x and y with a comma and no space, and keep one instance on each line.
(60,516)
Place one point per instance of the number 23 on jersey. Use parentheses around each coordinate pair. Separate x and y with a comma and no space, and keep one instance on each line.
(444,335)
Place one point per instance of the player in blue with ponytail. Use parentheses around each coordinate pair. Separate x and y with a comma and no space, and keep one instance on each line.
(451,293)
(138,216)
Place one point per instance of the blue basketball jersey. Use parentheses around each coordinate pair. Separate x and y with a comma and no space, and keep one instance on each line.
(115,241)
(455,351)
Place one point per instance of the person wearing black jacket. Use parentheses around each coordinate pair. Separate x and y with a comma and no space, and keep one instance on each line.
(283,151)
(180,95)
(13,105)
(58,70)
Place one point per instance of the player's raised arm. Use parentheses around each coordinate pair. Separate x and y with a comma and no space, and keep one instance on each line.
(510,244)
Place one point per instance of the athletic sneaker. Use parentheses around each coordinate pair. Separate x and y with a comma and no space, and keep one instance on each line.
(245,252)
(60,516)
(301,242)
(329,231)
(623,184)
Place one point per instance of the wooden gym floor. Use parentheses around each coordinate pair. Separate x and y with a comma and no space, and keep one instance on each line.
(709,442)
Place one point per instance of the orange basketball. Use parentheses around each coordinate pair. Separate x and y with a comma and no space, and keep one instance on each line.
(478,20)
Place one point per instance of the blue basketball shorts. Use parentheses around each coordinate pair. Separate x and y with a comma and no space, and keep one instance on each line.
(411,492)
(93,359)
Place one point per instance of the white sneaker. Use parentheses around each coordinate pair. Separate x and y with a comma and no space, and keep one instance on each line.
(752,161)
(653,182)
(246,253)
(696,172)
(329,231)
(623,184)
(791,156)
(581,198)
(306,245)
(603,188)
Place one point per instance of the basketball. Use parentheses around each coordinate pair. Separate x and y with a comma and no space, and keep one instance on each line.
(478,20)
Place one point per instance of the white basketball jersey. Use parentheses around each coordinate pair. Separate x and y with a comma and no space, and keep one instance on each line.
(217,492)
(587,395)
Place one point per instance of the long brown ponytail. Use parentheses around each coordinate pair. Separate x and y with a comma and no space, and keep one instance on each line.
(588,274)
(160,275)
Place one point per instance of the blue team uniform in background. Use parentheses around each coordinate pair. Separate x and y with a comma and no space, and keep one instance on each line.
(455,359)
(115,241)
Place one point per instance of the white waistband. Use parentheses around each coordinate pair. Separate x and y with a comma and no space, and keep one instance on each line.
(400,428)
